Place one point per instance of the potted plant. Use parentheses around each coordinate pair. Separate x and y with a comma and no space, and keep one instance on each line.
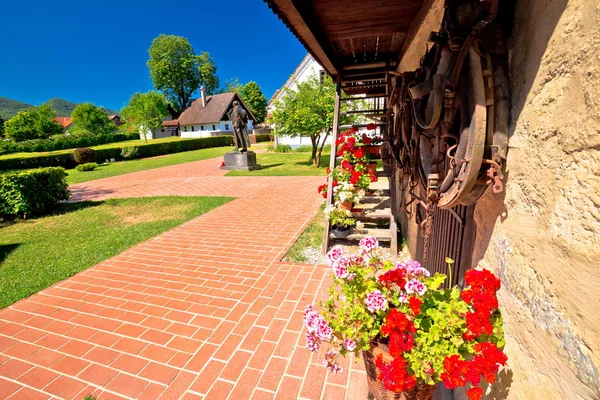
(341,222)
(372,142)
(411,333)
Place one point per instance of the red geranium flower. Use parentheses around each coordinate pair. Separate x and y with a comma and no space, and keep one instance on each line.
(367,140)
(346,165)
(359,153)
(415,305)
(371,126)
(475,393)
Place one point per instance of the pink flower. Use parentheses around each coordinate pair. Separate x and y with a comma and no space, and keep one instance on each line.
(368,243)
(316,324)
(375,301)
(414,285)
(340,267)
(349,344)
(357,259)
(330,362)
(403,298)
(312,342)
(335,253)
(414,268)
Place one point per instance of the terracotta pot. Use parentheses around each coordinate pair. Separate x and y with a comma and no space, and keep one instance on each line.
(372,167)
(376,389)
(346,205)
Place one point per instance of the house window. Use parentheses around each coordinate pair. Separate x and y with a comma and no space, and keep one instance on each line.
(185,128)
(214,128)
(162,129)
(321,75)
(192,128)
(226,127)
(201,127)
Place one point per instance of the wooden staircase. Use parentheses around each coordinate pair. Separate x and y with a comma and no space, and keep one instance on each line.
(375,212)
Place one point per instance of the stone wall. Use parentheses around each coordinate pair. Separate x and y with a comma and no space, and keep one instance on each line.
(542,236)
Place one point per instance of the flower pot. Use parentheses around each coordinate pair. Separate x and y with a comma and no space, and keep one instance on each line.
(340,232)
(346,205)
(372,167)
(376,389)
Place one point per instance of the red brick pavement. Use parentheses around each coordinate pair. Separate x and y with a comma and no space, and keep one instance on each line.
(205,310)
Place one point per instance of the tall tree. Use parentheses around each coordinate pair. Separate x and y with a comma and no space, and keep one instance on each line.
(35,123)
(87,118)
(178,71)
(233,85)
(145,112)
(46,125)
(255,100)
(308,111)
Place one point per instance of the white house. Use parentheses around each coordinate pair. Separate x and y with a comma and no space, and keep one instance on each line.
(308,68)
(206,116)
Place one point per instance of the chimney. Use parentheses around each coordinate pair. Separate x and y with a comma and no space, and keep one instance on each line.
(203,96)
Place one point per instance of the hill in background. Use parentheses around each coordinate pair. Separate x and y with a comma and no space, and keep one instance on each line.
(62,107)
(9,107)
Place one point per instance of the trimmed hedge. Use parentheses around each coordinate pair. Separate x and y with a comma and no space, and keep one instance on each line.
(144,150)
(32,192)
(263,138)
(62,142)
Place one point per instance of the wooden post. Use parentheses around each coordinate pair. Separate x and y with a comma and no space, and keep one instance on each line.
(336,122)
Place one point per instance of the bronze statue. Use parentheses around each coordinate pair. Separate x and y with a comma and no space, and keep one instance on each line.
(239,120)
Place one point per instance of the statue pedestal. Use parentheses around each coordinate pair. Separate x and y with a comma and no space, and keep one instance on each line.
(237,160)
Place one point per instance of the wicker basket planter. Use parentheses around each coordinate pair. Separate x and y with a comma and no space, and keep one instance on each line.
(376,389)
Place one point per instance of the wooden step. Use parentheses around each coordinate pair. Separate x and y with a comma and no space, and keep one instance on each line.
(383,174)
(374,214)
(379,193)
(383,235)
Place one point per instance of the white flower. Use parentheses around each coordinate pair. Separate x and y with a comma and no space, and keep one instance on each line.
(359,225)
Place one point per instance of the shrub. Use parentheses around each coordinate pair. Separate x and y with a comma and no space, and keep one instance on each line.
(262,138)
(305,148)
(283,148)
(63,142)
(145,150)
(32,192)
(87,167)
(84,155)
(127,153)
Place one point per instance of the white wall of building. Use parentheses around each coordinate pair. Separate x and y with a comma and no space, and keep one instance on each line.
(206,130)
(308,68)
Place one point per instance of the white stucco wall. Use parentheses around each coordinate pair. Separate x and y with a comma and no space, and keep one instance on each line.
(207,130)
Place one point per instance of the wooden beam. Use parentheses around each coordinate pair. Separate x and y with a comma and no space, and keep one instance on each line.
(336,122)
(293,14)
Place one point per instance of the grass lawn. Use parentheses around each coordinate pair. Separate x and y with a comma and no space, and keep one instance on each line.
(311,238)
(37,253)
(285,164)
(125,167)
(126,143)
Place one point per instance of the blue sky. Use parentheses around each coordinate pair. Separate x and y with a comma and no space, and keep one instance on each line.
(97,51)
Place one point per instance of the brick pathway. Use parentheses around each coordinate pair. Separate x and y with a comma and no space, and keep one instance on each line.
(205,310)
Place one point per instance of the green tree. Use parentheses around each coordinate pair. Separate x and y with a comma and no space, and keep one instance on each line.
(178,71)
(233,85)
(255,100)
(87,118)
(146,112)
(36,123)
(308,112)
(46,125)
